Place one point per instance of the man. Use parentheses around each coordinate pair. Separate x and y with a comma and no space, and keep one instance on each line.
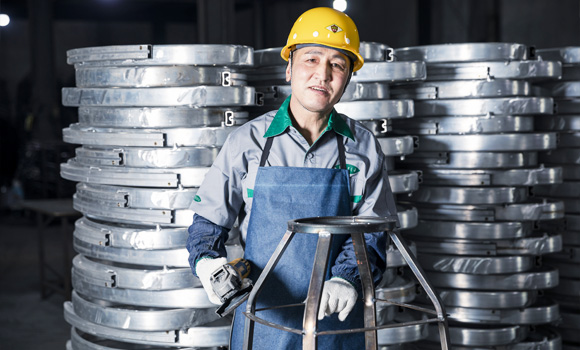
(303,160)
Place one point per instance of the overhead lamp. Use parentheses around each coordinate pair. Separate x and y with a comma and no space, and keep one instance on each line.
(4,19)
(339,5)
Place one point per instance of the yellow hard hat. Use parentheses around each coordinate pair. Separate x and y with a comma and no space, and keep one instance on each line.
(327,27)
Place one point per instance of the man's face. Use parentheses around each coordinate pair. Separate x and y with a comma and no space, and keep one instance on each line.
(318,76)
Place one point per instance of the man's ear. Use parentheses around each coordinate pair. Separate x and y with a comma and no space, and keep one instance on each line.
(289,70)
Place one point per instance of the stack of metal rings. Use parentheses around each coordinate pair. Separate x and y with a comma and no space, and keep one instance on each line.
(367,99)
(151,121)
(566,122)
(478,152)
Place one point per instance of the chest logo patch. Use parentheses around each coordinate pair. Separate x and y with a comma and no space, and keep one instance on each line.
(351,168)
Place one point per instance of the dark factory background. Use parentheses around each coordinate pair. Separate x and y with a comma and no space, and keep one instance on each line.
(33,69)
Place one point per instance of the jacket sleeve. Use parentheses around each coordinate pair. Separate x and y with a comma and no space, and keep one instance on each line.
(205,239)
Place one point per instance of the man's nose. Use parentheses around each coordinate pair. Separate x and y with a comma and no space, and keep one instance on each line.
(324,71)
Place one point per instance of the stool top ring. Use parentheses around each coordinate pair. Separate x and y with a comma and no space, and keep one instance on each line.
(341,224)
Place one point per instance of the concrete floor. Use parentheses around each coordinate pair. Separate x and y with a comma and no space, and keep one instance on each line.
(28,322)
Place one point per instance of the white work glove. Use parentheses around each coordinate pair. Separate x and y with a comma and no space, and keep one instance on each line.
(204,269)
(338,295)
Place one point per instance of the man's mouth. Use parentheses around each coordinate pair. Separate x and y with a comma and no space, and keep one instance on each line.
(317,88)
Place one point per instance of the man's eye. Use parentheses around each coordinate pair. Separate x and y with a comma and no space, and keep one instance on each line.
(338,66)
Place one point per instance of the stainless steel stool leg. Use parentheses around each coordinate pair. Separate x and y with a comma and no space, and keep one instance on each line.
(310,321)
(251,303)
(368,287)
(420,275)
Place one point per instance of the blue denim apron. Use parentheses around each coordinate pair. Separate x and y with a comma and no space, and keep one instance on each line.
(282,194)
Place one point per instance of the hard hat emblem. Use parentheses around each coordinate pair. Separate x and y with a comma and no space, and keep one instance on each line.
(334,28)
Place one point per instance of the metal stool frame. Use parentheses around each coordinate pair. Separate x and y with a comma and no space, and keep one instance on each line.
(325,228)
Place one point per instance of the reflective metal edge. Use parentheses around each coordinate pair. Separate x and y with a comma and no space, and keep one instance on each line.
(541,312)
(195,298)
(487,300)
(488,177)
(462,89)
(160,117)
(156,76)
(405,334)
(134,55)
(85,341)
(482,335)
(541,278)
(111,276)
(404,181)
(529,70)
(532,210)
(536,246)
(488,124)
(463,52)
(498,106)
(394,256)
(468,195)
(408,216)
(127,176)
(139,157)
(397,146)
(197,96)
(490,142)
(380,109)
(471,230)
(569,54)
(140,319)
(135,197)
(391,72)
(470,160)
(117,137)
(217,334)
(476,265)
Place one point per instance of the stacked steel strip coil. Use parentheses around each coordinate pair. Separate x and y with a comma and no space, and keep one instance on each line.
(367,99)
(151,121)
(478,151)
(566,122)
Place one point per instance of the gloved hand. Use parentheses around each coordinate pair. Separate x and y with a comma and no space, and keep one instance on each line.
(338,295)
(204,268)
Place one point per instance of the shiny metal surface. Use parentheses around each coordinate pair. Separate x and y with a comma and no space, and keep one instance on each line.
(470,160)
(528,70)
(497,106)
(541,278)
(214,334)
(390,72)
(160,117)
(152,55)
(485,177)
(482,335)
(532,210)
(558,123)
(489,299)
(111,234)
(463,52)
(468,195)
(156,76)
(139,157)
(378,109)
(427,229)
(407,215)
(375,52)
(199,96)
(127,176)
(478,265)
(397,146)
(568,54)
(540,313)
(493,142)
(462,89)
(180,137)
(488,124)
(140,319)
(536,245)
(404,181)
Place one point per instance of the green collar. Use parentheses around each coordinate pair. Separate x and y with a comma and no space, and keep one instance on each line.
(282,121)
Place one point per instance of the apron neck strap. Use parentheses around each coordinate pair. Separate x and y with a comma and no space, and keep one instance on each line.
(341,151)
